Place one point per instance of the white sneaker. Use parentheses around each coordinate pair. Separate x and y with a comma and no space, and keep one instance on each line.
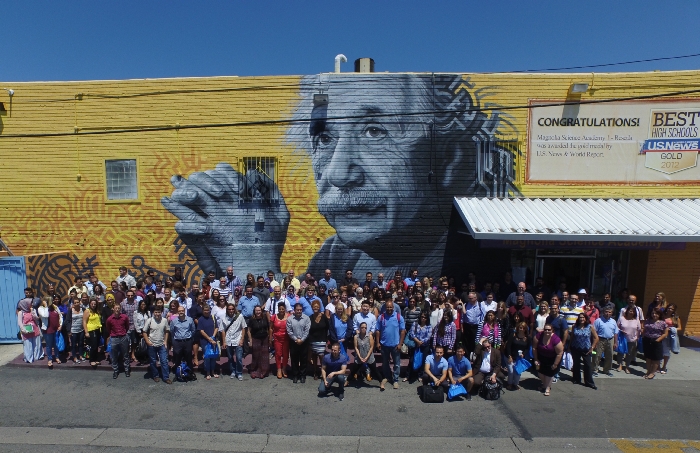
(233,375)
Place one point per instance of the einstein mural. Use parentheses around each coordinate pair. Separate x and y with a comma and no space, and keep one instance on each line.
(388,154)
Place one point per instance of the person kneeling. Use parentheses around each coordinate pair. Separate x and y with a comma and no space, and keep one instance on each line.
(333,370)
(487,365)
(435,369)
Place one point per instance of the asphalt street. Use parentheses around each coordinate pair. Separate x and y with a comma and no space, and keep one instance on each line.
(625,406)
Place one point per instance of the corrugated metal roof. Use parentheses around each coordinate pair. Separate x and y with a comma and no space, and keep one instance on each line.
(655,220)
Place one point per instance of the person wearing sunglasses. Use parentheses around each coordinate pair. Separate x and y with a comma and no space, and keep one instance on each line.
(548,350)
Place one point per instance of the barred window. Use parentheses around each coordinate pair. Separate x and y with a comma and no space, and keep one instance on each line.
(121,180)
(258,181)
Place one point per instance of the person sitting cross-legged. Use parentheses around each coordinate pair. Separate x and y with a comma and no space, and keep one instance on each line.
(435,369)
(333,370)
(459,370)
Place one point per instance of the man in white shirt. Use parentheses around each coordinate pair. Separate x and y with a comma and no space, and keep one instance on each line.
(489,304)
(231,328)
(125,277)
(155,333)
(183,300)
(365,316)
(271,304)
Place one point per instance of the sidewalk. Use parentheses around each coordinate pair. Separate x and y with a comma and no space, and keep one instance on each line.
(156,440)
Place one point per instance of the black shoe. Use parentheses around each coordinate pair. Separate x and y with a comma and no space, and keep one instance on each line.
(576,382)
(296,379)
(115,375)
(469,397)
(127,373)
(592,386)
(341,397)
(303,379)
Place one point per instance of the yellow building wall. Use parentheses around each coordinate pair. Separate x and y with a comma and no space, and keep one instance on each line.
(53,190)
(677,274)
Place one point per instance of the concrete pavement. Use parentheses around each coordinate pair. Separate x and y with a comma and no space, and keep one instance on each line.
(71,409)
(94,439)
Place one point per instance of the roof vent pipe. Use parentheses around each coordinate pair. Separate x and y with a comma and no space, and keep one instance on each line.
(340,58)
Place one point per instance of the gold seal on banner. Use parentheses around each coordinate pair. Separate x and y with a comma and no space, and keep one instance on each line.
(671,161)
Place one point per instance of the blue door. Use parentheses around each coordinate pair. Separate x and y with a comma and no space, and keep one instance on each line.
(13,280)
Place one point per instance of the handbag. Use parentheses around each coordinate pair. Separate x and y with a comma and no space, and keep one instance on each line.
(211,352)
(455,391)
(433,394)
(521,365)
(621,344)
(567,361)
(417,359)
(673,339)
(60,342)
(409,343)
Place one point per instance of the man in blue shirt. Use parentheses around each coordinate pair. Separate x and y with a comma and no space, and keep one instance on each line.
(333,370)
(365,316)
(182,329)
(410,281)
(459,370)
(328,281)
(232,281)
(368,281)
(607,330)
(391,330)
(247,303)
(308,299)
(435,369)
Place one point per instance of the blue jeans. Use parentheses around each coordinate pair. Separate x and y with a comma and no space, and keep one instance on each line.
(51,349)
(235,359)
(339,378)
(209,366)
(395,355)
(156,354)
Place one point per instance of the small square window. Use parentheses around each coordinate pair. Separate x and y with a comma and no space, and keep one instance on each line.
(258,182)
(122,183)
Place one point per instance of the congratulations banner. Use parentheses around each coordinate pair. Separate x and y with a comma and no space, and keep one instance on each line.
(628,142)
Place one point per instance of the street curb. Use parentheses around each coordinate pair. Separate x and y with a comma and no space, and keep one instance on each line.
(264,443)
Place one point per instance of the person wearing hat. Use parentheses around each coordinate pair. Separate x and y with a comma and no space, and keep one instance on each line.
(582,297)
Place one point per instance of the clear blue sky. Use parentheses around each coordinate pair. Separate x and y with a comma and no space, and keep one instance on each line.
(84,40)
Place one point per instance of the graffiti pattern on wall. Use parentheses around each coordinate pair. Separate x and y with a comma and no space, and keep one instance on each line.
(388,153)
(61,269)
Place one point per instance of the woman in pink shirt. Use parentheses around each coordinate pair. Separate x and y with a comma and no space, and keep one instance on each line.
(27,323)
(631,329)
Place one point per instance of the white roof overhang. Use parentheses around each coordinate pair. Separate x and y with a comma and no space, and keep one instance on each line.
(570,219)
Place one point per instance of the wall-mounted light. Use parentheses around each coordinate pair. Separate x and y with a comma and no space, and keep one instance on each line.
(578,88)
(320,99)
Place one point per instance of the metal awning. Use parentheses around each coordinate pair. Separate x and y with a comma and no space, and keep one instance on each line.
(570,219)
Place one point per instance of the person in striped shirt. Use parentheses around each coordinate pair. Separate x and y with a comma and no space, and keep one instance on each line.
(571,310)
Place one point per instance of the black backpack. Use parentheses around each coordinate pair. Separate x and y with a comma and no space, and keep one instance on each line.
(491,390)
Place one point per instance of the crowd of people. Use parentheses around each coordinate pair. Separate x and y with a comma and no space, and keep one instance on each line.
(337,331)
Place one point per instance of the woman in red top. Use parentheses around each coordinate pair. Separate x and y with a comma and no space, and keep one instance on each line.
(279,339)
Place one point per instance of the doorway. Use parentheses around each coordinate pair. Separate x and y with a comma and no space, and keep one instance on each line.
(575,270)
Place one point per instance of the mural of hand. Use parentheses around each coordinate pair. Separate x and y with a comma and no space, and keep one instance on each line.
(218,230)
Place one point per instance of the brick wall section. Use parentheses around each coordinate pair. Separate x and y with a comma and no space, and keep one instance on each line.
(677,274)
